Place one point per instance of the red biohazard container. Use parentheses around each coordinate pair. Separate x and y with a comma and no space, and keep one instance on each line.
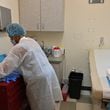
(12,95)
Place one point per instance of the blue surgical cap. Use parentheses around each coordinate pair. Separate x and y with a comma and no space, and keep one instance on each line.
(15,29)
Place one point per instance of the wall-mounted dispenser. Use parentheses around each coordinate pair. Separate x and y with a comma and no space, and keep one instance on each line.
(5,17)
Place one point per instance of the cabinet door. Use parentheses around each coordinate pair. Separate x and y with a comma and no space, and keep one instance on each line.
(52,15)
(30,14)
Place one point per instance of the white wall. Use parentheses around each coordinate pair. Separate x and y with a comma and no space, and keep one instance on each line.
(84,25)
(5,44)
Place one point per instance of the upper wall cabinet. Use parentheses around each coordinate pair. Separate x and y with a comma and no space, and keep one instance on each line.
(42,15)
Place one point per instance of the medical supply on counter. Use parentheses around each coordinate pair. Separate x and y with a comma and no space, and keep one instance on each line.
(56,51)
(47,51)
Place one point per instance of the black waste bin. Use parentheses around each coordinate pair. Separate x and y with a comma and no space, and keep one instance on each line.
(75,82)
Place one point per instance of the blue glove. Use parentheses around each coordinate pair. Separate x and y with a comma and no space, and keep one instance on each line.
(13,76)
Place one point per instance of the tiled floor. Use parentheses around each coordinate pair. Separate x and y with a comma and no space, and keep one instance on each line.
(84,103)
(83,106)
(68,106)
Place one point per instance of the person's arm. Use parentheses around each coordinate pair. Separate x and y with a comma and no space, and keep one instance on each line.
(12,61)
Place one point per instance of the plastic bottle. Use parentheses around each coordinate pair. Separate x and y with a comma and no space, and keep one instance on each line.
(65,92)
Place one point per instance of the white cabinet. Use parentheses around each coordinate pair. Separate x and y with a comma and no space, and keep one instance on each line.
(30,14)
(42,15)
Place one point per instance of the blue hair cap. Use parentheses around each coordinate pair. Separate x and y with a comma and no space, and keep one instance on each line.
(15,29)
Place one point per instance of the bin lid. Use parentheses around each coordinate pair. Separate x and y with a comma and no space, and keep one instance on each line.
(75,75)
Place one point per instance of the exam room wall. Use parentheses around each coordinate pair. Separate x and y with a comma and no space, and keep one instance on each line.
(5,44)
(84,25)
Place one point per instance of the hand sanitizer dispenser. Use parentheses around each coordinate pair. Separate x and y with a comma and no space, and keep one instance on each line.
(5,17)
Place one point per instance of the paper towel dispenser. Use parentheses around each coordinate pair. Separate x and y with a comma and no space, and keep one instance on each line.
(5,17)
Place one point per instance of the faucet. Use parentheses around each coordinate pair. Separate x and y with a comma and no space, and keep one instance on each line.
(42,45)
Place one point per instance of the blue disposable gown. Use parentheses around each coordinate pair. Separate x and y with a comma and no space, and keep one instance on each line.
(41,81)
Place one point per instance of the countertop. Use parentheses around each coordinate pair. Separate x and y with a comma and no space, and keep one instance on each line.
(53,59)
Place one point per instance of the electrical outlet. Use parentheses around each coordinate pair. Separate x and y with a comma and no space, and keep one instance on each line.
(101,42)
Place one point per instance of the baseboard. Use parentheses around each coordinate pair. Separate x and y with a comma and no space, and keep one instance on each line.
(88,88)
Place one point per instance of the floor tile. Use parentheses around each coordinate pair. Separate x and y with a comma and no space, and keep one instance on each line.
(68,106)
(83,106)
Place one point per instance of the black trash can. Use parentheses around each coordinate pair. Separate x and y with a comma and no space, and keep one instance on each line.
(75,82)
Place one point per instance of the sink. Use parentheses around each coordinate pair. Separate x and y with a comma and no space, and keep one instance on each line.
(47,51)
